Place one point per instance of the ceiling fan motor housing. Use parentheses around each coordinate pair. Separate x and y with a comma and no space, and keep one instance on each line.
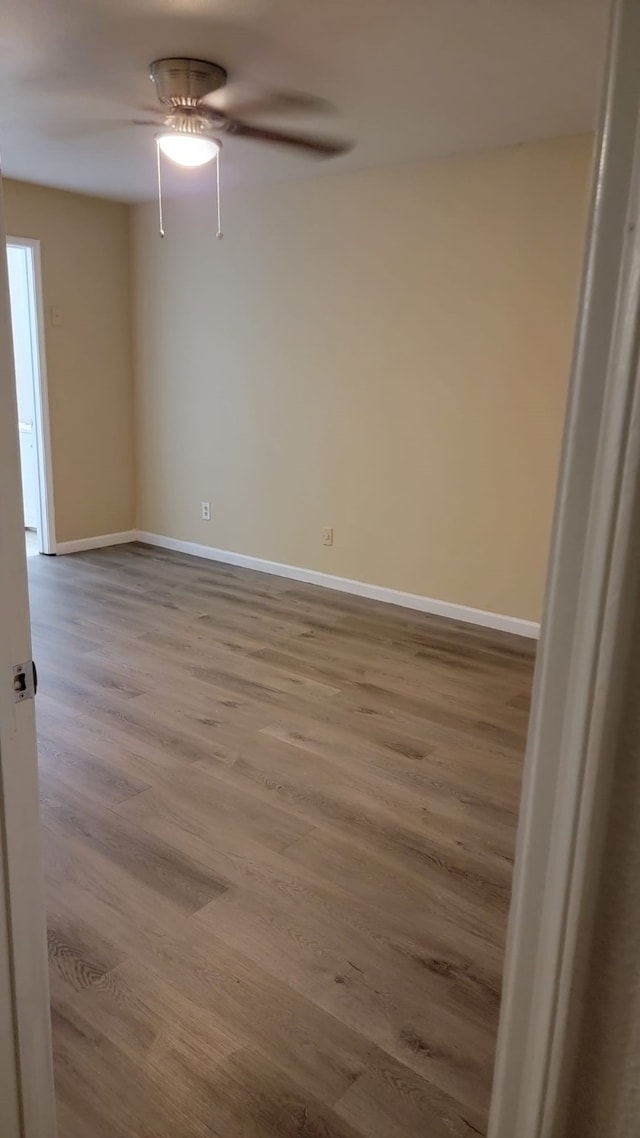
(189,120)
(183,82)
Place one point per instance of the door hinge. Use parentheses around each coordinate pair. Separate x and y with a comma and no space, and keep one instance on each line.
(25,680)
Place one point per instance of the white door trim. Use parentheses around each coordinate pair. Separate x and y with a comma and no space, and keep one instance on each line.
(591,590)
(46,529)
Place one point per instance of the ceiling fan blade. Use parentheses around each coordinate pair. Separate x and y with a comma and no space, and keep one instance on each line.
(313,144)
(83,130)
(248,99)
(151,109)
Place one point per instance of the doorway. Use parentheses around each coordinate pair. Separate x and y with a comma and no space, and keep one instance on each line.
(25,291)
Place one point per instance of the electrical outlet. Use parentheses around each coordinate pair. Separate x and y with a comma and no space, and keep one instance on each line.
(327,535)
(205,511)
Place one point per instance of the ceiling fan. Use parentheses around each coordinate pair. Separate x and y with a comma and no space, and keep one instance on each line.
(198,104)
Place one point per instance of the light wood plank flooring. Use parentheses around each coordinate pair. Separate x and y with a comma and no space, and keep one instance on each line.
(279,827)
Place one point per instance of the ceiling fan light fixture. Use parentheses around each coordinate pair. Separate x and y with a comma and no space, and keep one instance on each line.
(188,149)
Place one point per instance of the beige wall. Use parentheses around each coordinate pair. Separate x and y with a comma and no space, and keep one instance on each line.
(385,352)
(86,271)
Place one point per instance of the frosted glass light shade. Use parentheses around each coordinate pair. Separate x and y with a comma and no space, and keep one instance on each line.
(188,149)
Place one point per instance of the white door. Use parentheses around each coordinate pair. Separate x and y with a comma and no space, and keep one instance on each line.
(26,1080)
(22,332)
(29,470)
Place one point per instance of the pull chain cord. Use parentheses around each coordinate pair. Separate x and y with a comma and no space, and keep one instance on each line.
(219,234)
(160,219)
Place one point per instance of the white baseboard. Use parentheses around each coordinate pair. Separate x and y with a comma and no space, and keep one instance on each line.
(96,542)
(497,621)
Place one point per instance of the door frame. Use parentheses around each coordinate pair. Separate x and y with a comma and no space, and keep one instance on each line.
(581,671)
(46,528)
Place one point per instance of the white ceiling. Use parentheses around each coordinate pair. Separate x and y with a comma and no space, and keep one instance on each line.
(409,79)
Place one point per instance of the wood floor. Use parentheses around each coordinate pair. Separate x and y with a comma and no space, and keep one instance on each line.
(279,827)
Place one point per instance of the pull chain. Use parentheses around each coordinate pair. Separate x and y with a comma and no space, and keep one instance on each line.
(219,234)
(160,219)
